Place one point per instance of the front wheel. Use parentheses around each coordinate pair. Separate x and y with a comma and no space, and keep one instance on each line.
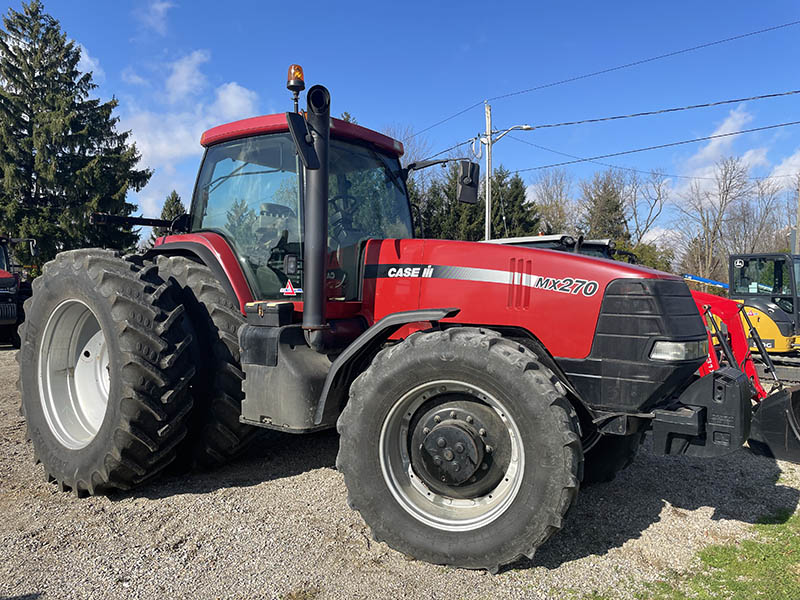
(459,448)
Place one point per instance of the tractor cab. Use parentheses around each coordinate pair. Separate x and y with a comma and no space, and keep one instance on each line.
(250,191)
(767,285)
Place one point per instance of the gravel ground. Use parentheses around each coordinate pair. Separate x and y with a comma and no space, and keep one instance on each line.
(276,525)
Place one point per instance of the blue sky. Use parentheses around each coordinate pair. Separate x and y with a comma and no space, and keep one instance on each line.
(179,67)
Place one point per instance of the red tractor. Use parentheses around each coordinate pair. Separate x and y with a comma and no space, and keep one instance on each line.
(474,386)
(15,288)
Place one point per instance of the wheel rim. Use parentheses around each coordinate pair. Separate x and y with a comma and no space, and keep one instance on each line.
(410,482)
(74,374)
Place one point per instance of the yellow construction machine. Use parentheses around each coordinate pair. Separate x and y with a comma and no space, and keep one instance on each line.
(767,286)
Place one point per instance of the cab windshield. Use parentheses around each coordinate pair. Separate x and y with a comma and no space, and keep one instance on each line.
(248,191)
(768,277)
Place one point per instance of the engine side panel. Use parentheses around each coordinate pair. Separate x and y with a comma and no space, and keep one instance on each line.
(554,295)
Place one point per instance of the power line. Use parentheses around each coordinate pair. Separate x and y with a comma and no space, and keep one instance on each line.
(604,164)
(658,147)
(604,71)
(451,148)
(642,114)
(667,110)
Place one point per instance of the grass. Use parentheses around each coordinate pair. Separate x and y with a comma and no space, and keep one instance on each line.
(768,567)
(303,593)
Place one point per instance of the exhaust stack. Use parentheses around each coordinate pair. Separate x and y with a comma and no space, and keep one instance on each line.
(316,220)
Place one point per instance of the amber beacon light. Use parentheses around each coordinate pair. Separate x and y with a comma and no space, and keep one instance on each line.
(295,81)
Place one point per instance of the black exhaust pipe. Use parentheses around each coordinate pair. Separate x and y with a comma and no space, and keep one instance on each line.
(315,250)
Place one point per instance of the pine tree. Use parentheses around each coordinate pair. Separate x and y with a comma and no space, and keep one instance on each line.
(61,157)
(604,207)
(241,223)
(172,209)
(512,214)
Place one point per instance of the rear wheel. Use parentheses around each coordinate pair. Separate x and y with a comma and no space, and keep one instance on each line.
(459,448)
(104,371)
(215,435)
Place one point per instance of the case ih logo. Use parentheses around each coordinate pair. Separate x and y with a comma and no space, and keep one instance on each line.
(564,285)
(290,290)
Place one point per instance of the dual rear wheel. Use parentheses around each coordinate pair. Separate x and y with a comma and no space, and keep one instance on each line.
(127,367)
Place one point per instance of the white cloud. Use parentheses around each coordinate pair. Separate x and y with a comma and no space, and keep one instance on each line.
(165,139)
(234,101)
(88,63)
(788,167)
(131,77)
(662,237)
(186,78)
(719,147)
(755,157)
(702,165)
(155,15)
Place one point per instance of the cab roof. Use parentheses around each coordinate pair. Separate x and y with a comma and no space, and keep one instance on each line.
(277,123)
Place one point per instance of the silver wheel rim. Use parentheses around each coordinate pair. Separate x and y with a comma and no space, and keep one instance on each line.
(425,505)
(73,374)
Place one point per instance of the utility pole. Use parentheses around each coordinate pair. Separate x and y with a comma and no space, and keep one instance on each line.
(796,248)
(488,226)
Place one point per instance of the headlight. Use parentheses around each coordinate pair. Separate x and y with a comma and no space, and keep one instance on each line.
(663,350)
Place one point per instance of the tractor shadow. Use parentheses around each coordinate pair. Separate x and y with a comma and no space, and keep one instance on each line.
(272,455)
(741,487)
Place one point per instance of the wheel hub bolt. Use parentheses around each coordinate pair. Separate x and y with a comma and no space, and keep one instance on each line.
(481,432)
(470,419)
(437,461)
(448,454)
(489,449)
(456,466)
(437,419)
(452,414)
(441,442)
(460,448)
(426,430)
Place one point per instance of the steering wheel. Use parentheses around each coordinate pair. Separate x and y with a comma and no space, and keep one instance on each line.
(344,202)
(343,219)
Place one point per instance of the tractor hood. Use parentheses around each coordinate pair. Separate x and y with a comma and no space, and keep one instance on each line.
(546,292)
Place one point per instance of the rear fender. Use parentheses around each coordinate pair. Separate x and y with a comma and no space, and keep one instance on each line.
(212,250)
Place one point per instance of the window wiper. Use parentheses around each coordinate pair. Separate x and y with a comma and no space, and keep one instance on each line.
(236,173)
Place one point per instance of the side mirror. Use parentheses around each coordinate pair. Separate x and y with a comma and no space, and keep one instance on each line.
(182,222)
(303,142)
(468,178)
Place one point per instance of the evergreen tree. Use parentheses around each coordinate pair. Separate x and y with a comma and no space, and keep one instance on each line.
(604,207)
(172,209)
(61,157)
(512,214)
(242,223)
(446,218)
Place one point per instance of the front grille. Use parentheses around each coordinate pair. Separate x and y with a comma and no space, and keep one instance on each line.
(618,374)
